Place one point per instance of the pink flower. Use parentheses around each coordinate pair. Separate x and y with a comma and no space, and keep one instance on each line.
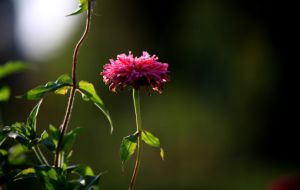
(127,70)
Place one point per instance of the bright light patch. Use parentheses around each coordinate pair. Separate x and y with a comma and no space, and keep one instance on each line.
(42,26)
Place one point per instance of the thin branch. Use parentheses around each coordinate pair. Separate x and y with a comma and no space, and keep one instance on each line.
(58,156)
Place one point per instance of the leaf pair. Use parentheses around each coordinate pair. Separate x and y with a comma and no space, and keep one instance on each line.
(129,144)
(68,140)
(62,85)
(40,91)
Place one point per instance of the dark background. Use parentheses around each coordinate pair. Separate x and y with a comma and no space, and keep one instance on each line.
(224,119)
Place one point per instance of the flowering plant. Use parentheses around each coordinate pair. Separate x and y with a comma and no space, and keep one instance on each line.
(125,71)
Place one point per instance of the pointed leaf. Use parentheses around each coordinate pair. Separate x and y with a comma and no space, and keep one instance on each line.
(153,141)
(31,120)
(128,147)
(89,93)
(11,67)
(150,139)
(40,91)
(83,6)
(69,139)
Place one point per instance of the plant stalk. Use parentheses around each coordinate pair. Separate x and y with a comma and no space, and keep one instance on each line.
(42,155)
(58,160)
(41,159)
(137,109)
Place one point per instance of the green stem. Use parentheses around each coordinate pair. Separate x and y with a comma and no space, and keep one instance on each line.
(42,155)
(137,109)
(38,156)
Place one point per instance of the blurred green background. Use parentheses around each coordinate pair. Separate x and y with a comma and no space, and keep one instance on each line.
(223,119)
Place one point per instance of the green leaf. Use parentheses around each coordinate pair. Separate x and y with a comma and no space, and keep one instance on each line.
(69,139)
(162,153)
(150,139)
(40,91)
(89,93)
(128,147)
(81,169)
(11,67)
(83,6)
(4,93)
(3,153)
(153,141)
(50,178)
(17,155)
(31,120)
(52,140)
(63,91)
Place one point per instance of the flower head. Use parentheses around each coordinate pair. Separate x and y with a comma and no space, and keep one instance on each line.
(127,70)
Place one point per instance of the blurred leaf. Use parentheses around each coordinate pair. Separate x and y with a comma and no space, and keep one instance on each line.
(28,172)
(17,155)
(50,178)
(11,67)
(4,133)
(128,147)
(83,6)
(82,170)
(69,139)
(4,93)
(52,140)
(39,91)
(89,93)
(3,152)
(88,183)
(162,153)
(153,141)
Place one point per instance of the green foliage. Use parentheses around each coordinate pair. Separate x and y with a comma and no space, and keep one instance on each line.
(89,93)
(4,93)
(153,141)
(17,154)
(11,67)
(50,178)
(40,91)
(52,140)
(128,147)
(83,6)
(69,139)
(25,134)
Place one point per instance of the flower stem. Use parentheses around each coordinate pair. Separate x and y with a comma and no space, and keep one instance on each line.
(40,155)
(137,109)
(58,160)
